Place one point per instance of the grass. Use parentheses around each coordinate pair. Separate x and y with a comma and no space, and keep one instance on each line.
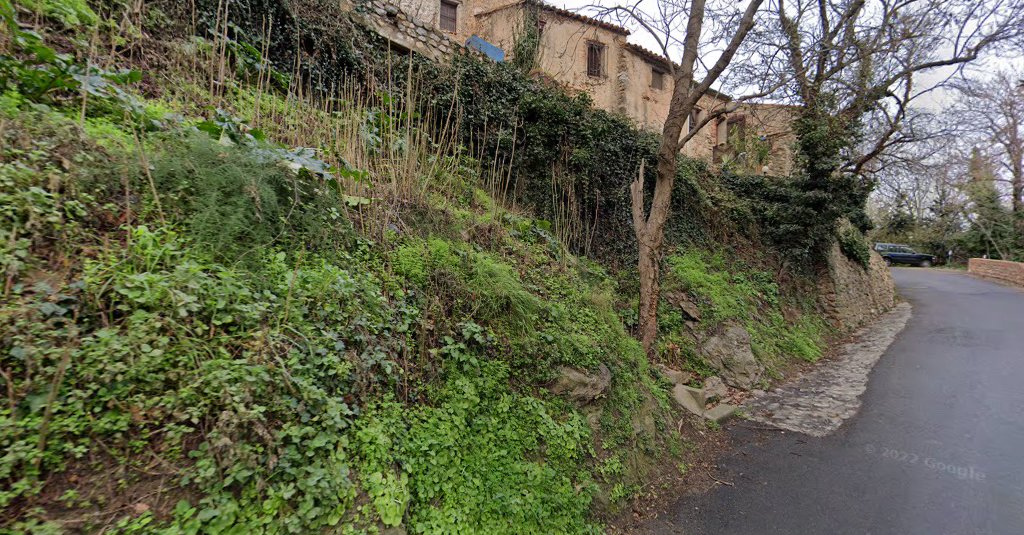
(309,315)
(736,294)
(231,318)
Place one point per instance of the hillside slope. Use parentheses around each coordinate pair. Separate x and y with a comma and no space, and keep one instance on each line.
(231,305)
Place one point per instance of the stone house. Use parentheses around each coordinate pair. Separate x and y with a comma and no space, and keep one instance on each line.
(594,57)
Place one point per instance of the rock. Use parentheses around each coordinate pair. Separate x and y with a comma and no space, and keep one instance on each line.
(581,387)
(691,399)
(851,294)
(714,387)
(729,353)
(676,376)
(721,413)
(682,301)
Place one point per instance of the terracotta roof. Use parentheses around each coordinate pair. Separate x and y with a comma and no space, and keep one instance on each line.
(648,55)
(581,18)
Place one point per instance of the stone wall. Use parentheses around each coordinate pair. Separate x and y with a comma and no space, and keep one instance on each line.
(999,270)
(852,295)
(406,31)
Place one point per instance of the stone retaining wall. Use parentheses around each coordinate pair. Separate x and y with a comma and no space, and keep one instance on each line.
(389,20)
(852,295)
(1000,270)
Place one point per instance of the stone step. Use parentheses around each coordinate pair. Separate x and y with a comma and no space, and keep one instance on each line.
(691,399)
(721,412)
(694,400)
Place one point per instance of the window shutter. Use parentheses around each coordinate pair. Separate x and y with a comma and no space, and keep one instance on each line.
(449,16)
(657,78)
(595,59)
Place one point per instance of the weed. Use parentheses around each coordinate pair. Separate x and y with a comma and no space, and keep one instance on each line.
(235,203)
(683,468)
(499,293)
(71,13)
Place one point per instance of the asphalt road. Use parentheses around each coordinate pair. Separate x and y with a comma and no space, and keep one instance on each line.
(937,447)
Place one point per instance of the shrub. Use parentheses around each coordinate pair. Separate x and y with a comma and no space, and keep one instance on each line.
(853,244)
(236,204)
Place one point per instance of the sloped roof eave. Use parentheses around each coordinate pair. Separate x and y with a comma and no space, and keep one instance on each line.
(615,28)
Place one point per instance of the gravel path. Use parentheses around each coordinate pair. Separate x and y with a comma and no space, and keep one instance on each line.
(817,403)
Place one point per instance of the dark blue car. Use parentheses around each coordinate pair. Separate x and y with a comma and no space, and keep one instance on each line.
(900,254)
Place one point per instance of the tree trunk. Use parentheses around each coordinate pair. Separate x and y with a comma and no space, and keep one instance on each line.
(649,270)
(650,227)
(1017,212)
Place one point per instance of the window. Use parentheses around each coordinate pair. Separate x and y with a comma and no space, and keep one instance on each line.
(449,16)
(694,118)
(736,131)
(595,59)
(657,78)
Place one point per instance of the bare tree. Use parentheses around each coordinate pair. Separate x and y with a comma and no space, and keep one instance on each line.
(680,28)
(916,168)
(851,59)
(991,111)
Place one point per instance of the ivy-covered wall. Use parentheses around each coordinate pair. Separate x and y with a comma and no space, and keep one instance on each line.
(563,159)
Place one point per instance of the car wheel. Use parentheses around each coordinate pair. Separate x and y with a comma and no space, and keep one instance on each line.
(926,263)
(888,262)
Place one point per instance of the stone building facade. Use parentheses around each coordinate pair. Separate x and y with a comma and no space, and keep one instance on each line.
(594,57)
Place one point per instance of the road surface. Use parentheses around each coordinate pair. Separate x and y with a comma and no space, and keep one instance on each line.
(937,447)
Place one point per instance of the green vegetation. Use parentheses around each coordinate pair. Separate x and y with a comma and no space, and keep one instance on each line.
(269,380)
(71,13)
(227,308)
(969,220)
(735,293)
(854,245)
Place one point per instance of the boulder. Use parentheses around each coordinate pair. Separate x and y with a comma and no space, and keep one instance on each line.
(729,353)
(676,376)
(682,301)
(714,387)
(582,387)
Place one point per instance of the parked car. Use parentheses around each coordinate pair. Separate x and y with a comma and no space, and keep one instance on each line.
(898,253)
